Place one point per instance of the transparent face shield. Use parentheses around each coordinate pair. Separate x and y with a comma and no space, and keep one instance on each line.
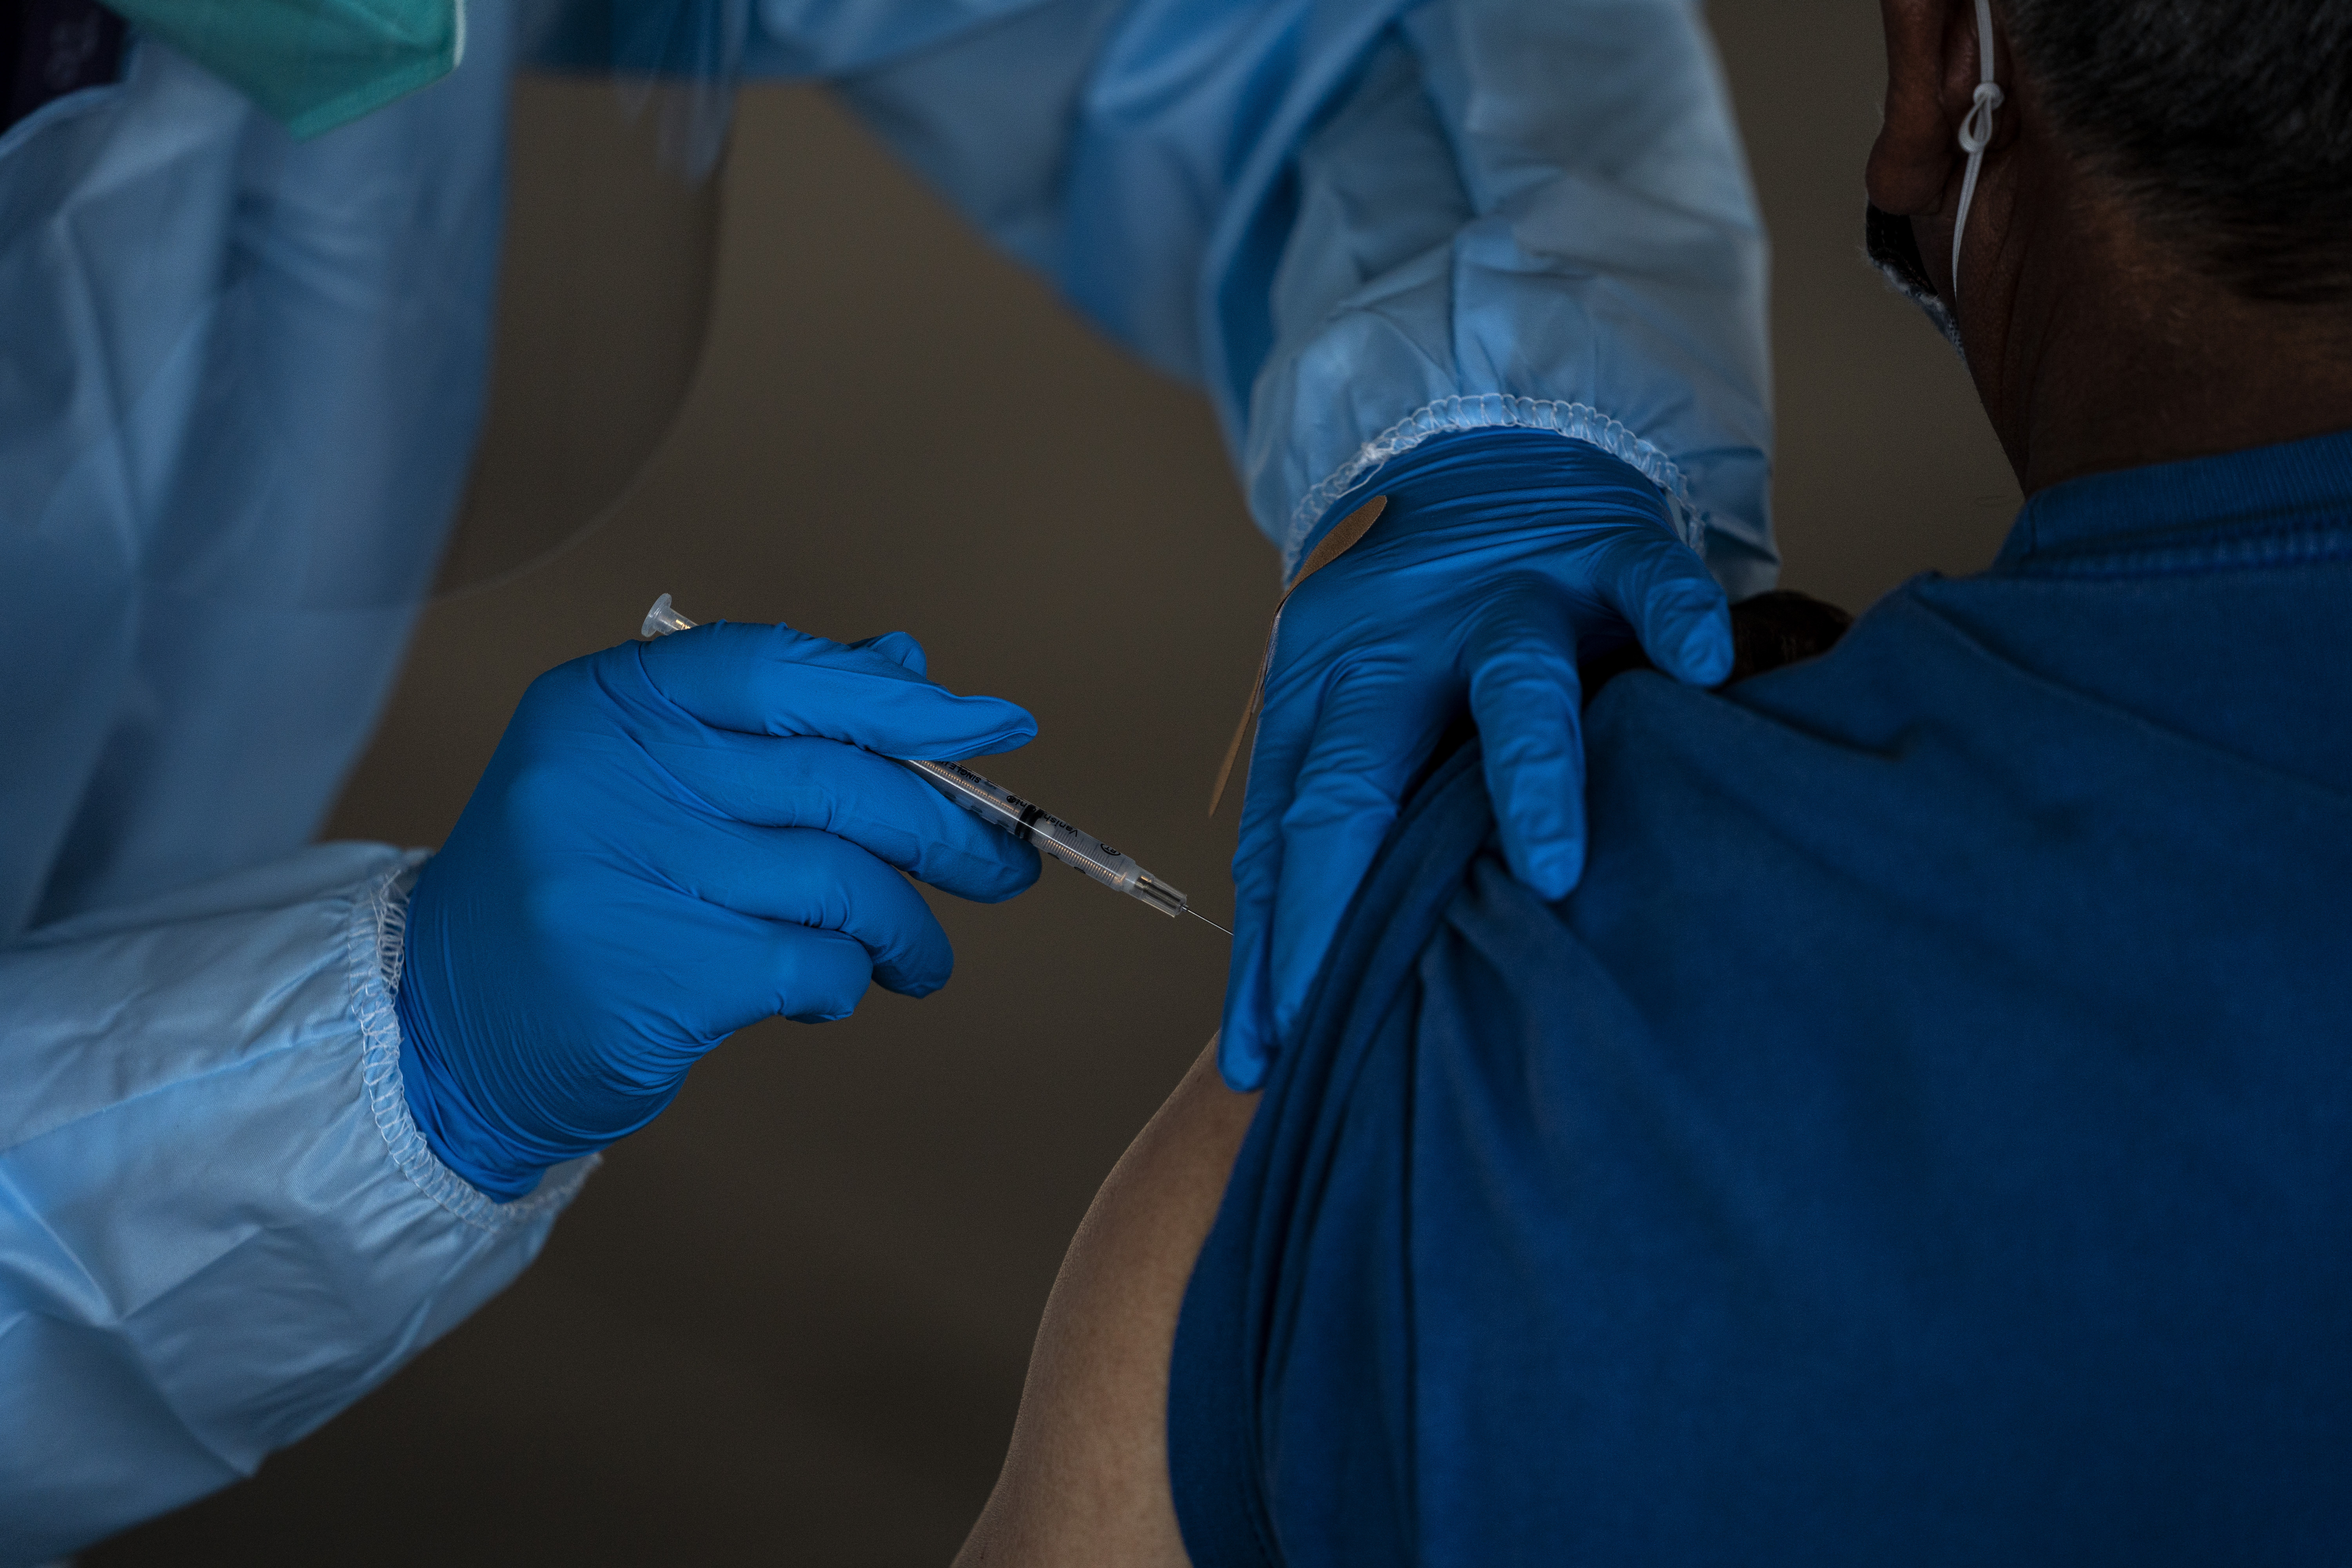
(604,294)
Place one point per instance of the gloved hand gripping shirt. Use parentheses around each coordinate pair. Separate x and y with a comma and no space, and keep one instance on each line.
(1362,228)
(1497,561)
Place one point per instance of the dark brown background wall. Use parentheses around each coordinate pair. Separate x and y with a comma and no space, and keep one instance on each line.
(789,1322)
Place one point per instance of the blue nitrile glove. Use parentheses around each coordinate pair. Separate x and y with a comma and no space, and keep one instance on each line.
(675,839)
(1500,556)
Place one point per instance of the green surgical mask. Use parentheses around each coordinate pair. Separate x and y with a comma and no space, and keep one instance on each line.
(313,65)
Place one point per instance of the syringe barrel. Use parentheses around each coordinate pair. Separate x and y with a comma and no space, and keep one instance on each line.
(1073,847)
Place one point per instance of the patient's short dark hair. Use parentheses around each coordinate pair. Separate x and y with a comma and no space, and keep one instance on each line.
(2228,123)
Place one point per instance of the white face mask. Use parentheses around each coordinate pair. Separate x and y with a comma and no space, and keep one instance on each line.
(1893,249)
(1887,239)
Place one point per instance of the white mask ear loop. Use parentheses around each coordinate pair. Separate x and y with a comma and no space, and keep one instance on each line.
(1975,135)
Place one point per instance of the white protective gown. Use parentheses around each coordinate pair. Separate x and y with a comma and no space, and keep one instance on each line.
(239,380)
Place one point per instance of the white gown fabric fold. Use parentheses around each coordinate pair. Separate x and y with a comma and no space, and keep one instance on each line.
(1360,223)
(240,378)
(218,1236)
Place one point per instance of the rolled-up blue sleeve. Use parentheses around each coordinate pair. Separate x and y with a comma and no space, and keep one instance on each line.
(218,1223)
(1360,225)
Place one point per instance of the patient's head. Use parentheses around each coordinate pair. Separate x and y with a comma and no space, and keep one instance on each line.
(2157,261)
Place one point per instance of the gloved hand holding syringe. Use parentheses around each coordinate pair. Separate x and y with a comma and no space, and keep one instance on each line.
(994,804)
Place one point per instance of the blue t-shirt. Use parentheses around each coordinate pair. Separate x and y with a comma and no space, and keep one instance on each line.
(1926,1136)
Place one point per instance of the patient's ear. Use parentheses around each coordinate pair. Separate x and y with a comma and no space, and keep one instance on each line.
(1931,50)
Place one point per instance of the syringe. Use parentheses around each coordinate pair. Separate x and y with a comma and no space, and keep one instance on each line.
(994,803)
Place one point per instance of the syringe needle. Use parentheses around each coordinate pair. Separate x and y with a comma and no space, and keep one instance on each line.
(1203,919)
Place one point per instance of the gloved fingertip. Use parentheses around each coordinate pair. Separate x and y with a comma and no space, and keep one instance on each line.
(1538,795)
(1240,1062)
(1553,869)
(1000,726)
(1700,651)
(1242,1054)
(901,649)
(917,974)
(820,1017)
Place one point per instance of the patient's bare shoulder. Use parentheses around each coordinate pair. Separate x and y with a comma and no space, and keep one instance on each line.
(1085,1479)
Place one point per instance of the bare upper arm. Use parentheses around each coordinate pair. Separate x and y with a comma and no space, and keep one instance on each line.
(1085,1478)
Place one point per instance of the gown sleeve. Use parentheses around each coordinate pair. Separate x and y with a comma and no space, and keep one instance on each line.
(1357,225)
(218,1223)
(239,378)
